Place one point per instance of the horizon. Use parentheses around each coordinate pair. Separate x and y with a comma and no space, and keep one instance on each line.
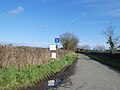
(38,22)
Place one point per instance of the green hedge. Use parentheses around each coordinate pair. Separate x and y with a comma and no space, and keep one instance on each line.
(112,60)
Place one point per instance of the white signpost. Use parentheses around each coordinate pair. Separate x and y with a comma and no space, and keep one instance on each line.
(53,56)
(53,47)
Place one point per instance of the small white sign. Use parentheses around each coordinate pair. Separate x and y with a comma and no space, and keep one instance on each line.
(51,82)
(53,55)
(53,47)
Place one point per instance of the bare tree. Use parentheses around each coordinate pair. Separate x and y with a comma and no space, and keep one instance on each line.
(100,48)
(69,41)
(85,47)
(112,38)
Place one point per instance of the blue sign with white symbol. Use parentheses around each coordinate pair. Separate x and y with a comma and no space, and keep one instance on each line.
(57,40)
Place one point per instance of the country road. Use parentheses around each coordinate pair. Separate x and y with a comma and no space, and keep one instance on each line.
(91,75)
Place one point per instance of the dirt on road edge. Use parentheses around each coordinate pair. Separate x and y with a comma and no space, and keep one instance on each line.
(64,74)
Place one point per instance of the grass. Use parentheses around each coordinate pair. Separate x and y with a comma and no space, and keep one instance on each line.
(12,78)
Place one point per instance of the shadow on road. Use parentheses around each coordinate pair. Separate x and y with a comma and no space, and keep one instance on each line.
(105,64)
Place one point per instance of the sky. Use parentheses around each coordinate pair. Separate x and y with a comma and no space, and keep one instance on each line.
(38,22)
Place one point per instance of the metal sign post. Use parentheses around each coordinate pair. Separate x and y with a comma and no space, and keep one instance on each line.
(53,48)
(57,40)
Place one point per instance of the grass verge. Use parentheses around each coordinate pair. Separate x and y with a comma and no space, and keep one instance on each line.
(12,78)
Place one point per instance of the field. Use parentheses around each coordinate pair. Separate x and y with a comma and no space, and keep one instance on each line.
(20,56)
(24,66)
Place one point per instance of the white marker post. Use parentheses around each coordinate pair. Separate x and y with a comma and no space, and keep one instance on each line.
(53,56)
(53,49)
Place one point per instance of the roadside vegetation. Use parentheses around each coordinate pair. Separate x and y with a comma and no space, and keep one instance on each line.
(110,56)
(12,78)
(113,39)
(22,66)
(20,56)
(109,59)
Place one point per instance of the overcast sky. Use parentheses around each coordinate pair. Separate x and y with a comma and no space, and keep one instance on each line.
(38,22)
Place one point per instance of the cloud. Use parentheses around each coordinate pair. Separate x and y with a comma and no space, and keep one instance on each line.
(76,19)
(16,11)
(102,5)
(115,13)
(73,20)
(3,16)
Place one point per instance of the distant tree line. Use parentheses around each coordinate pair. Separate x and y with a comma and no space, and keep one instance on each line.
(70,41)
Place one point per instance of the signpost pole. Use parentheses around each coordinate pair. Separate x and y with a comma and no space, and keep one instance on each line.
(57,41)
(54,48)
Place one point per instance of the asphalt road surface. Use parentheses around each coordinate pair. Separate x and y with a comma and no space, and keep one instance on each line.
(91,75)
